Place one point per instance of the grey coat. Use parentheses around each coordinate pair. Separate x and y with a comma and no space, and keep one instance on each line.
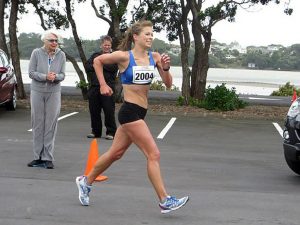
(39,67)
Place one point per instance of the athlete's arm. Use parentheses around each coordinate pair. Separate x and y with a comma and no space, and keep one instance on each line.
(117,57)
(163,66)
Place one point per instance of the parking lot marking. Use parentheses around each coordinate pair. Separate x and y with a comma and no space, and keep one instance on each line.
(62,117)
(165,130)
(279,129)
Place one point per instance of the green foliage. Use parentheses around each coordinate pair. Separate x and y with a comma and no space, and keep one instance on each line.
(180,100)
(159,86)
(81,84)
(219,98)
(286,90)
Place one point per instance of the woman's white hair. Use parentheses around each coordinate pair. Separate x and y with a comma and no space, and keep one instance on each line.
(51,32)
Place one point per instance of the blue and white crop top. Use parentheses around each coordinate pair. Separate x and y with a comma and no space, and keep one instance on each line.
(138,74)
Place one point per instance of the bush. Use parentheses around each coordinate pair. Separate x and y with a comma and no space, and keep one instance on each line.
(286,90)
(81,84)
(219,98)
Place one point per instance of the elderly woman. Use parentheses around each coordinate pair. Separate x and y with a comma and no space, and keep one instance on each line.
(47,70)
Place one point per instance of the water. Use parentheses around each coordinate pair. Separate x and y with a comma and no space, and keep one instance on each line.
(256,82)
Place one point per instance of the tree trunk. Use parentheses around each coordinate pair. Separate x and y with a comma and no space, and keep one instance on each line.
(115,33)
(201,62)
(199,73)
(79,73)
(14,47)
(184,38)
(80,50)
(3,44)
(118,90)
(186,75)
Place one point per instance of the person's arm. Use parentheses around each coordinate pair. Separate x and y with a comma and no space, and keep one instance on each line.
(32,68)
(61,75)
(163,64)
(117,57)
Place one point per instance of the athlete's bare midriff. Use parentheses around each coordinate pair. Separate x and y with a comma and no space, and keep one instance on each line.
(137,94)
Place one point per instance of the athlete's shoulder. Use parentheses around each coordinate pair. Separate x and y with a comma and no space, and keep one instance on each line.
(156,55)
(121,55)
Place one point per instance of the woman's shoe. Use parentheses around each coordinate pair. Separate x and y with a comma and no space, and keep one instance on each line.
(36,163)
(49,165)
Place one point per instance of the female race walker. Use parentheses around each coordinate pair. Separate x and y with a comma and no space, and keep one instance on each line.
(137,71)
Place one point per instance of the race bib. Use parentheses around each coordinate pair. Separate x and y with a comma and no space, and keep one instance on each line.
(142,74)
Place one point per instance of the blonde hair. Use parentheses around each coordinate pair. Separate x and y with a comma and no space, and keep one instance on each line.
(135,28)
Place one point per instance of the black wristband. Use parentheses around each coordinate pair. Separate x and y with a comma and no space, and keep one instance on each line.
(166,69)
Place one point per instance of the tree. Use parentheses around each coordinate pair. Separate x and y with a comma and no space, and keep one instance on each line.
(112,12)
(13,42)
(176,23)
(79,47)
(3,44)
(202,22)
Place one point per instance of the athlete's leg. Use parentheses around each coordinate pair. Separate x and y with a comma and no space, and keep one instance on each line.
(120,144)
(140,134)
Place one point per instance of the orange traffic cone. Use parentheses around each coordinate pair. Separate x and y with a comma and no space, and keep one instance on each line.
(294,96)
(92,158)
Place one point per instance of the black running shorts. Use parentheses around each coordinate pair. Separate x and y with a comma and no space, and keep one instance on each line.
(130,112)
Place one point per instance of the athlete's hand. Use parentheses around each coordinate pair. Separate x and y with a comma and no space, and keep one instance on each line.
(165,61)
(106,90)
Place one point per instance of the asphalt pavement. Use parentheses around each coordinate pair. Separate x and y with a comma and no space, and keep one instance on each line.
(233,170)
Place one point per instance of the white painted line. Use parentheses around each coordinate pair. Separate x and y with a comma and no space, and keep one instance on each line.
(165,130)
(62,117)
(279,129)
(67,115)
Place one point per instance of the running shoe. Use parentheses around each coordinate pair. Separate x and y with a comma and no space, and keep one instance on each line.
(84,190)
(172,203)
(92,135)
(109,137)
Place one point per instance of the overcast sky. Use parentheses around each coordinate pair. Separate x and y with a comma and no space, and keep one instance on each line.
(258,26)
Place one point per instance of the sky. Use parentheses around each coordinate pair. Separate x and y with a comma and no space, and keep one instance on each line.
(259,26)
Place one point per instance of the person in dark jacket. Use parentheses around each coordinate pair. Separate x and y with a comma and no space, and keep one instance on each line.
(98,102)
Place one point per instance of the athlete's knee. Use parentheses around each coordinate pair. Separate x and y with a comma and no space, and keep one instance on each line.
(154,155)
(117,155)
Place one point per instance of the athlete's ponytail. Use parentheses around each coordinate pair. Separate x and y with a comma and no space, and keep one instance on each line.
(136,28)
(126,41)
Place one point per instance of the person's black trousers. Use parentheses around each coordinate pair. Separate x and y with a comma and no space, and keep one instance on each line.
(97,103)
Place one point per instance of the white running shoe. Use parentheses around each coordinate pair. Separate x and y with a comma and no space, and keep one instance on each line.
(171,203)
(83,190)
